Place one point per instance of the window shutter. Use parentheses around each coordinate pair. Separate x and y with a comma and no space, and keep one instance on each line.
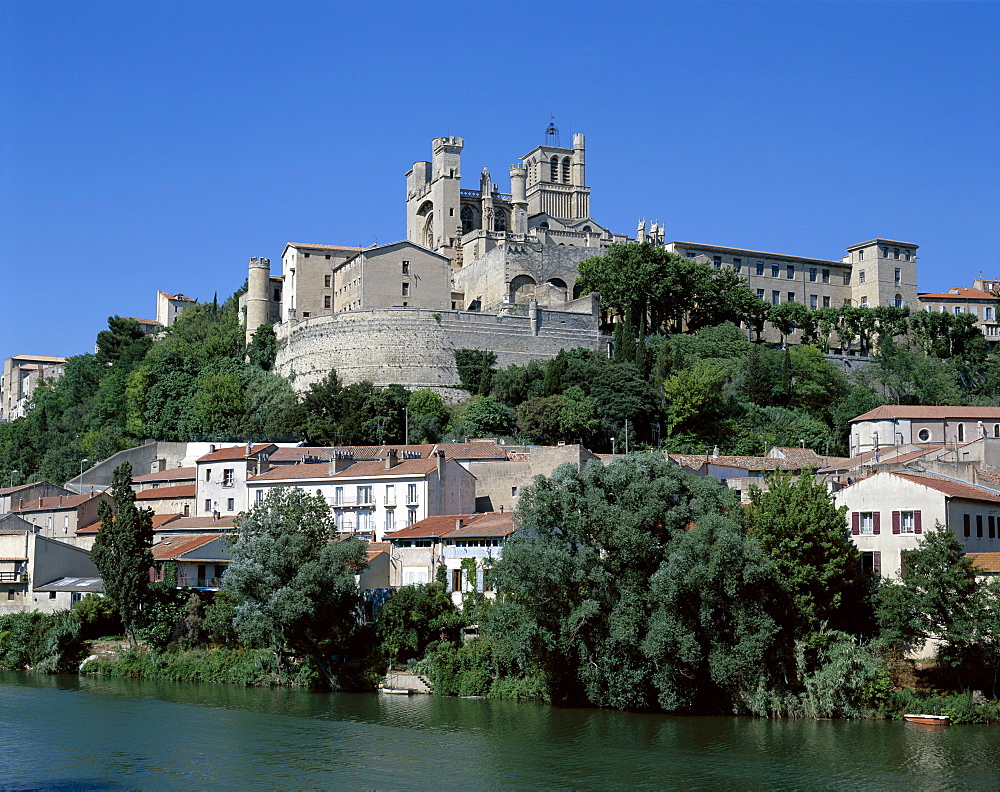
(875,522)
(916,522)
(855,523)
(877,562)
(895,522)
(966,526)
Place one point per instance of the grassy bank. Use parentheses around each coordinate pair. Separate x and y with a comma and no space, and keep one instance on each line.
(248,667)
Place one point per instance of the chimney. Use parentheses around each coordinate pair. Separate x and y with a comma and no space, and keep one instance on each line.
(440,464)
(20,503)
(391,460)
(459,522)
(341,460)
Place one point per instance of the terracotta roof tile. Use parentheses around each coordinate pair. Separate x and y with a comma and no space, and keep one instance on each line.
(359,469)
(163,493)
(205,523)
(888,412)
(954,489)
(236,452)
(56,502)
(959,292)
(175,547)
(985,563)
(487,525)
(159,520)
(436,526)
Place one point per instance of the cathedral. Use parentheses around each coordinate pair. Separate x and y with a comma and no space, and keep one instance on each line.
(485,269)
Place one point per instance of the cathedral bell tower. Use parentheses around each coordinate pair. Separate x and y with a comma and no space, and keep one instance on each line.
(432,198)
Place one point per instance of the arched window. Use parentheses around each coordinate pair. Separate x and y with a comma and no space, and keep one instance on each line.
(554,169)
(500,220)
(897,301)
(468,219)
(565,170)
(522,289)
(961,433)
(429,231)
(543,224)
(996,430)
(588,230)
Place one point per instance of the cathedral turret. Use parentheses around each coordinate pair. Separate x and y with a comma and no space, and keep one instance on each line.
(579,159)
(518,199)
(258,302)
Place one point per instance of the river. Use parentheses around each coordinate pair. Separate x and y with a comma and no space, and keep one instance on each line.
(72,734)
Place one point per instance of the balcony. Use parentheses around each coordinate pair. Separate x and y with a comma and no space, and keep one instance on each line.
(13,577)
(189,581)
(347,502)
(389,500)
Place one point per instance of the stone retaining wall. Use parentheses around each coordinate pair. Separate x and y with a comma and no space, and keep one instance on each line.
(415,347)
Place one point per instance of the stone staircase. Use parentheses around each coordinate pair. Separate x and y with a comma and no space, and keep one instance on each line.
(404,680)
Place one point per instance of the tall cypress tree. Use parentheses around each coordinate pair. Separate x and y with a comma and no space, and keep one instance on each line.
(121,550)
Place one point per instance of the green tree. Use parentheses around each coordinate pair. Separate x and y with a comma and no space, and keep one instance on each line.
(934,599)
(263,347)
(122,553)
(807,538)
(412,619)
(475,369)
(486,417)
(539,419)
(292,584)
(122,332)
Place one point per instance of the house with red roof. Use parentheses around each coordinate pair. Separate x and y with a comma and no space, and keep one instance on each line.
(199,560)
(888,513)
(63,516)
(980,301)
(221,478)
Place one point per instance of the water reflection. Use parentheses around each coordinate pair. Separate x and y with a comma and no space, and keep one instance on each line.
(95,733)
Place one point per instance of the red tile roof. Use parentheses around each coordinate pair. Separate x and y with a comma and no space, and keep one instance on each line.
(175,547)
(236,452)
(164,493)
(985,563)
(954,489)
(56,502)
(174,474)
(486,525)
(436,526)
(159,520)
(375,549)
(959,292)
(888,412)
(202,523)
(475,449)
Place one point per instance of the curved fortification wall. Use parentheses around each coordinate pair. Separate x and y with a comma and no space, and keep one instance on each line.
(414,346)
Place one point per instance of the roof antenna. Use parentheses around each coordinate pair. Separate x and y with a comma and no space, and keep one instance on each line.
(552,133)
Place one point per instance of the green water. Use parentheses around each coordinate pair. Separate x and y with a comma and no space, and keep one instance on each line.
(70,734)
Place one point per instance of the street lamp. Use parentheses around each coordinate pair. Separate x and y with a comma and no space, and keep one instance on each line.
(12,477)
(80,482)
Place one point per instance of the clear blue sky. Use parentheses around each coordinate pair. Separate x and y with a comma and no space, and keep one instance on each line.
(158,145)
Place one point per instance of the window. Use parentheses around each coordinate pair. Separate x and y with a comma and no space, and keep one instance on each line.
(906,255)
(775,297)
(390,519)
(979,526)
(227,477)
(789,271)
(208,474)
(958,310)
(791,297)
(208,506)
(10,594)
(405,267)
(52,595)
(996,430)
(826,276)
(326,280)
(327,256)
(895,253)
(775,269)
(961,433)
(554,169)
(992,526)
(865,523)
(924,435)
(847,278)
(898,274)
(411,493)
(812,274)
(864,302)
(871,562)
(230,504)
(760,294)
(513,492)
(305,255)
(906,523)
(277,295)
(760,267)
(258,497)
(813,301)
(737,263)
(861,255)
(187,510)
(456,580)
(885,252)
(988,314)
(326,301)
(406,289)
(897,301)
(411,516)
(966,526)
(565,170)
(861,276)
(365,495)
(826,302)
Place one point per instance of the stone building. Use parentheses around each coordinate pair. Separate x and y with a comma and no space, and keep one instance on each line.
(21,375)
(514,263)
(981,301)
(169,307)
